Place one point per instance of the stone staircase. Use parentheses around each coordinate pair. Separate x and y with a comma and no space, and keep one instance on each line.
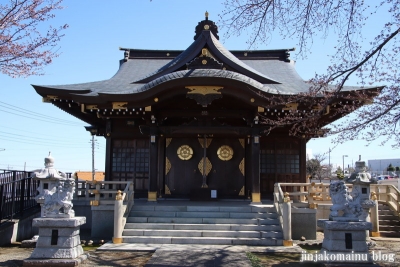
(389,222)
(210,224)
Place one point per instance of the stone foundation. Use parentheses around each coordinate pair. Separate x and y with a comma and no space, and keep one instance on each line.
(345,238)
(58,238)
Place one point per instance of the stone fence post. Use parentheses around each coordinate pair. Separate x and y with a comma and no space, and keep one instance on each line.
(287,221)
(375,216)
(118,214)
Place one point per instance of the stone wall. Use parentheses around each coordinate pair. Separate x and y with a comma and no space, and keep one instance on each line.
(19,229)
(103,221)
(304,223)
(83,208)
(323,212)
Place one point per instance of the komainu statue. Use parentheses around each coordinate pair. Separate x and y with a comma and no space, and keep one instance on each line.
(55,191)
(354,206)
(344,204)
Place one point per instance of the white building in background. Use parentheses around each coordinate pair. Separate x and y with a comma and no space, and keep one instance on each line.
(309,154)
(380,165)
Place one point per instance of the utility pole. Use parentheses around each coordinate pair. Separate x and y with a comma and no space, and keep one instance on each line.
(329,163)
(93,170)
(93,132)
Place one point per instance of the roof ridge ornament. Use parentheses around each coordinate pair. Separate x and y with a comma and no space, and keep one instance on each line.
(206,25)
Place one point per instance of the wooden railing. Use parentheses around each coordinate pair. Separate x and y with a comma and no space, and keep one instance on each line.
(117,196)
(104,192)
(388,194)
(309,195)
(283,207)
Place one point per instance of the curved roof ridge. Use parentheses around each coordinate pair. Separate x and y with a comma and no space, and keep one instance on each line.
(177,62)
(218,50)
(193,73)
(238,64)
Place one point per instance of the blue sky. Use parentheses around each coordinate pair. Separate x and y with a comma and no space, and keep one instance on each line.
(90,52)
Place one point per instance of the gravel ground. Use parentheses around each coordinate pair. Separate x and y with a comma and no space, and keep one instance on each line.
(14,255)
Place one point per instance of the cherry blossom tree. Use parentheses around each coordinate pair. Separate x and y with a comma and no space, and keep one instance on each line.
(373,61)
(27,42)
(316,169)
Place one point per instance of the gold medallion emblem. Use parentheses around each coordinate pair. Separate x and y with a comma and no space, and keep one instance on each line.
(225,153)
(185,152)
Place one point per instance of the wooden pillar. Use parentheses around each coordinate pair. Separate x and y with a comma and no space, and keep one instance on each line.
(255,168)
(161,166)
(152,192)
(248,167)
(108,159)
(303,159)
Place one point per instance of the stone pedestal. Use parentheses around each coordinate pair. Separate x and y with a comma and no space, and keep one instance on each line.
(58,243)
(346,239)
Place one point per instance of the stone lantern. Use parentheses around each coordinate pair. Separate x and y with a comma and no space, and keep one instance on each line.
(361,192)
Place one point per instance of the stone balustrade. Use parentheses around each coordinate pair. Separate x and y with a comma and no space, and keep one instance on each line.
(316,196)
(111,202)
(388,194)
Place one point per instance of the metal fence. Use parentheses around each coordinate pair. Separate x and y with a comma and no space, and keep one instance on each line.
(17,193)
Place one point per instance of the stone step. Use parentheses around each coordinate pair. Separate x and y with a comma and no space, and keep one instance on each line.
(163,208)
(221,227)
(197,224)
(389,227)
(386,221)
(389,233)
(383,207)
(389,218)
(202,233)
(203,240)
(266,221)
(385,212)
(202,214)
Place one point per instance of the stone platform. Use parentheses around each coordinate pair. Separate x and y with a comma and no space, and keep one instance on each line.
(344,236)
(345,241)
(58,243)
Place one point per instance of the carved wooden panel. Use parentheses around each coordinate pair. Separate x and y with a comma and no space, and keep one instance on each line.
(167,166)
(241,166)
(208,142)
(167,141)
(208,166)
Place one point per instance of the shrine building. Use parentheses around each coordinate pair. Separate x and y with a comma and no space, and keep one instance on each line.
(188,124)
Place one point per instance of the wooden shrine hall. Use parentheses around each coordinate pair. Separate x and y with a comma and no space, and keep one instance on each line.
(187,124)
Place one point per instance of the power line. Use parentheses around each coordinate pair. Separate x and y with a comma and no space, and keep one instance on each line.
(22,110)
(36,138)
(27,131)
(49,120)
(60,140)
(30,142)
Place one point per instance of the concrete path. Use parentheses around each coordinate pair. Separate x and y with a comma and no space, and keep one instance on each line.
(196,255)
(200,258)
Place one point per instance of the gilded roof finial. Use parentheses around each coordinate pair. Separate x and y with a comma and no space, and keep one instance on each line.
(206,15)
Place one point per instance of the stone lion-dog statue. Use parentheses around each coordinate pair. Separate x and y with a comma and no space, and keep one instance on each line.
(345,205)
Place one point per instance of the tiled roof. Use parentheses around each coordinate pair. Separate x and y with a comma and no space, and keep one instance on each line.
(136,75)
(87,175)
